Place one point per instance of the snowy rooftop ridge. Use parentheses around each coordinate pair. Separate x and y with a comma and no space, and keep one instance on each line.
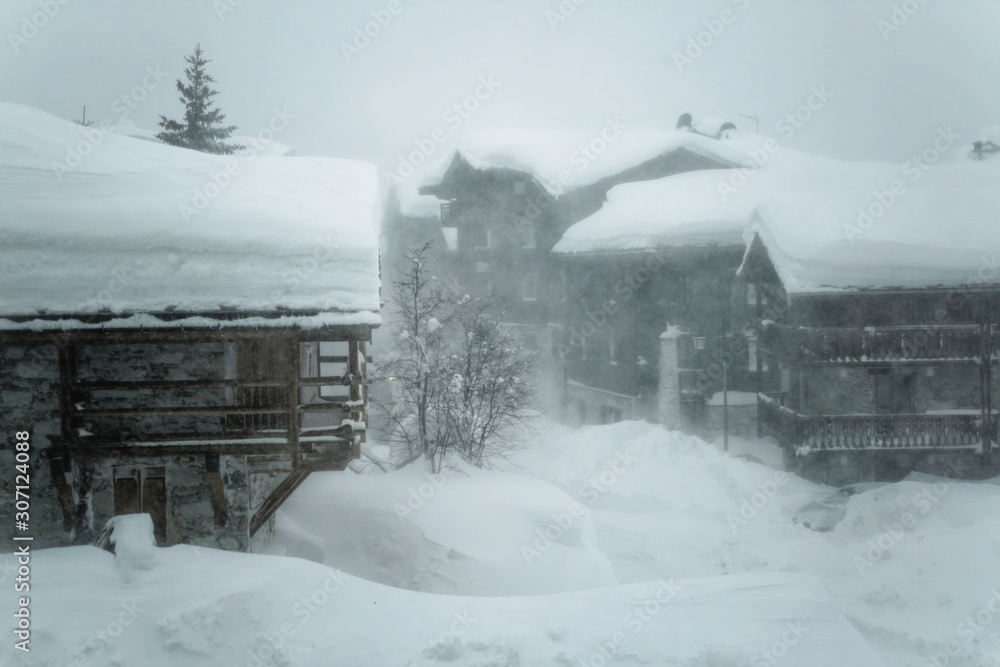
(562,160)
(92,222)
(711,206)
(930,237)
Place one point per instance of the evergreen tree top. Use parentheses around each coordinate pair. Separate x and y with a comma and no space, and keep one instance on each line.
(201,129)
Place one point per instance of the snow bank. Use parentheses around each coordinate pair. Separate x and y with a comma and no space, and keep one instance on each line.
(465,531)
(913,565)
(93,221)
(207,607)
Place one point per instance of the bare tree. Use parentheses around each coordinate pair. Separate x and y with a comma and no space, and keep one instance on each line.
(459,382)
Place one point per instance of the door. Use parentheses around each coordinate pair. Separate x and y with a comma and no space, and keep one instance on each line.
(143,490)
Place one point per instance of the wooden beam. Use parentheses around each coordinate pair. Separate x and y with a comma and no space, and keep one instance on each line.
(294,398)
(217,488)
(277,497)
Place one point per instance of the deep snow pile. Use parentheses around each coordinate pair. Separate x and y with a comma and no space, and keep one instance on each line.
(463,531)
(913,564)
(201,607)
(94,221)
(712,570)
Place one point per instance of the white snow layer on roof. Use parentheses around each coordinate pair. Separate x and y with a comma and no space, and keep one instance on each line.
(927,237)
(561,160)
(412,204)
(91,221)
(711,207)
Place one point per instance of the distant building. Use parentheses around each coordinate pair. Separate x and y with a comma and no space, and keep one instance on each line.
(174,342)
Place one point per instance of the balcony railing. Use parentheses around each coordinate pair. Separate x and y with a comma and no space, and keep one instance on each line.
(878,345)
(874,432)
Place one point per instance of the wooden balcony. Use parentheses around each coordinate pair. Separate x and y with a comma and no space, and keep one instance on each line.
(879,345)
(874,432)
(270,413)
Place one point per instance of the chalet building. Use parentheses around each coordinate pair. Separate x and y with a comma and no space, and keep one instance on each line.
(507,198)
(651,277)
(643,282)
(176,343)
(885,343)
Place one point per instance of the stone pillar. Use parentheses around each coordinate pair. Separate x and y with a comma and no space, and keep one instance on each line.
(669,394)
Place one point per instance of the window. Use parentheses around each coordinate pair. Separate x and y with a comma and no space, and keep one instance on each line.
(752,356)
(143,490)
(610,415)
(527,232)
(491,240)
(529,287)
(752,295)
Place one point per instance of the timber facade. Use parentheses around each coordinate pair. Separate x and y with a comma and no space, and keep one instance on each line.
(874,383)
(207,428)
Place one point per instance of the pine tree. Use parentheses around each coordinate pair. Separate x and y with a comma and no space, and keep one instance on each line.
(200,130)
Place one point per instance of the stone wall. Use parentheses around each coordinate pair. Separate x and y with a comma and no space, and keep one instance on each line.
(26,404)
(28,400)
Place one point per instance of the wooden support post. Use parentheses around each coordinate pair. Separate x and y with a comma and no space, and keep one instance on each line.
(294,398)
(217,488)
(986,393)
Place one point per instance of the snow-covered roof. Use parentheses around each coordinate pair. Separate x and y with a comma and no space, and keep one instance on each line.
(251,145)
(92,221)
(928,237)
(412,204)
(563,160)
(712,206)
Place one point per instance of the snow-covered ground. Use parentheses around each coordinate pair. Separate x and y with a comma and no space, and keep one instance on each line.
(608,545)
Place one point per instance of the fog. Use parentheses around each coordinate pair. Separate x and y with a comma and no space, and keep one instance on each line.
(894,72)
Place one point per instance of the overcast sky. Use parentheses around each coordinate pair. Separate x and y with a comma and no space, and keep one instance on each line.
(885,91)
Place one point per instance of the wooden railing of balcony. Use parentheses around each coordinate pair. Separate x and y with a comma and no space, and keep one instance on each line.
(871,345)
(877,432)
(257,417)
